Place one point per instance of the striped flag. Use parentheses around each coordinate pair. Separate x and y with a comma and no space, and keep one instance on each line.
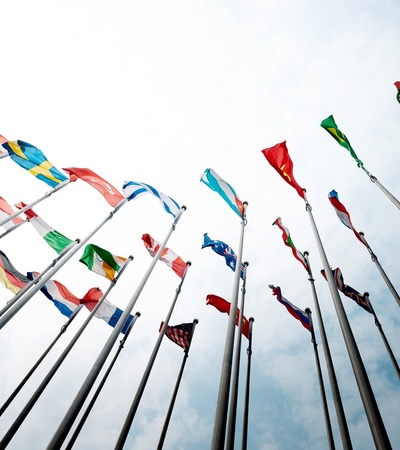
(225,190)
(6,211)
(179,334)
(342,213)
(101,261)
(133,190)
(288,241)
(296,312)
(9,275)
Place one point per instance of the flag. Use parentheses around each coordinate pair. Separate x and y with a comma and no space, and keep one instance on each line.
(107,311)
(56,240)
(330,126)
(63,299)
(217,184)
(278,157)
(5,212)
(34,161)
(180,334)
(133,189)
(288,241)
(9,275)
(224,250)
(172,260)
(107,190)
(101,261)
(225,307)
(296,312)
(397,84)
(347,290)
(342,213)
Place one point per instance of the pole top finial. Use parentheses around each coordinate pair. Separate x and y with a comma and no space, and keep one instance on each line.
(251,319)
(196,321)
(183,207)
(138,313)
(305,253)
(366,294)
(361,232)
(246,263)
(308,310)
(246,203)
(189,263)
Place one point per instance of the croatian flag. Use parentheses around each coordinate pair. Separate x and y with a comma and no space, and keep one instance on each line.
(133,189)
(296,312)
(342,213)
(217,184)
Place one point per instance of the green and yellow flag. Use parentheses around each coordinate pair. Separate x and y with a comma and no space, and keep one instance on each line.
(330,126)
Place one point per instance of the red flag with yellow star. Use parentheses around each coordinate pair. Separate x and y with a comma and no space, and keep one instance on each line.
(278,157)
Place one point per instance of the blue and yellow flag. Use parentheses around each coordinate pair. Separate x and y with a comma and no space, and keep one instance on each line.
(33,160)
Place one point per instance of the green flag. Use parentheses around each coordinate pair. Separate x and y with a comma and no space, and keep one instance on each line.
(330,126)
(101,261)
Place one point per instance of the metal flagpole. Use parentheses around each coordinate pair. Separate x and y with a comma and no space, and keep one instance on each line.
(230,436)
(25,298)
(38,362)
(13,228)
(374,258)
(321,384)
(27,408)
(69,418)
(218,437)
(381,187)
(375,421)
(247,392)
(385,341)
(174,394)
(132,411)
(101,384)
(35,202)
(20,293)
(337,400)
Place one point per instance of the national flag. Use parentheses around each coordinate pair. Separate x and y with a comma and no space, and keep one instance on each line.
(397,84)
(342,213)
(34,161)
(330,126)
(225,307)
(180,334)
(225,190)
(106,189)
(172,260)
(101,261)
(5,212)
(107,311)
(288,241)
(347,290)
(9,275)
(224,250)
(63,299)
(278,157)
(133,189)
(56,240)
(296,312)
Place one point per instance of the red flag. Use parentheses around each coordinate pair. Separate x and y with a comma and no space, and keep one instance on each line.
(224,307)
(107,190)
(397,84)
(278,157)
(5,211)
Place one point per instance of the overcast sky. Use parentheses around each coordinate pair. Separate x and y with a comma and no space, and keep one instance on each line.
(157,92)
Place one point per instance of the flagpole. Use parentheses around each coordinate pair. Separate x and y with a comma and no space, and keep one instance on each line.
(374,258)
(25,298)
(344,431)
(13,228)
(385,341)
(69,418)
(35,202)
(31,402)
(218,437)
(101,384)
(381,187)
(38,362)
(20,293)
(247,391)
(375,421)
(132,411)
(174,394)
(321,384)
(230,437)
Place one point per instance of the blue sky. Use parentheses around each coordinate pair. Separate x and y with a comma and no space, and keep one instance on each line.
(157,92)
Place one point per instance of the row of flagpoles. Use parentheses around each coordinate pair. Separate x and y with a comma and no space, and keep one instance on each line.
(112,267)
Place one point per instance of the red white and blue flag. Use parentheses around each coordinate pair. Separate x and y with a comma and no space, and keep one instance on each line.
(179,334)
(296,312)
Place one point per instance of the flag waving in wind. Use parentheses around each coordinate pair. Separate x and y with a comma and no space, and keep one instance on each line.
(217,184)
(330,126)
(296,312)
(288,241)
(9,275)
(179,334)
(278,157)
(107,190)
(342,213)
(6,211)
(397,84)
(168,256)
(101,261)
(33,160)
